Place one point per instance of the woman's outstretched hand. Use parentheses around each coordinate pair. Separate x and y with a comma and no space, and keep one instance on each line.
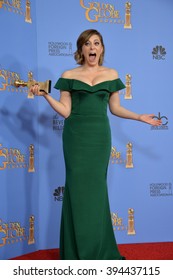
(36,90)
(149,118)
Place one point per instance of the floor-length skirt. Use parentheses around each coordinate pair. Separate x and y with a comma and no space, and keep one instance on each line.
(86,226)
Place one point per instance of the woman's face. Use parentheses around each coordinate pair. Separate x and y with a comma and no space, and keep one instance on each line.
(92,50)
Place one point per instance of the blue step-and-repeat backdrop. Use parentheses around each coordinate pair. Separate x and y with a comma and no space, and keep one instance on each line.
(38,39)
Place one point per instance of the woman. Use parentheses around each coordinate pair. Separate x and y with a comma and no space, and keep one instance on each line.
(86,228)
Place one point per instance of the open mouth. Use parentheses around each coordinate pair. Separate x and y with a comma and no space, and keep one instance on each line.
(92,56)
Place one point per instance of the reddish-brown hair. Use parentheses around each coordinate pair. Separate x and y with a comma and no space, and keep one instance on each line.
(82,39)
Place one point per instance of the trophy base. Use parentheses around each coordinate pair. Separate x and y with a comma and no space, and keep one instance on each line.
(131,233)
(129,166)
(128,26)
(30,95)
(45,86)
(31,170)
(28,20)
(128,97)
(31,242)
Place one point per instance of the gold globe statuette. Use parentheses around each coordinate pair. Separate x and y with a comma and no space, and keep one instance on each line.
(28,12)
(127,24)
(31,159)
(1,3)
(129,155)
(128,92)
(44,86)
(131,227)
(31,239)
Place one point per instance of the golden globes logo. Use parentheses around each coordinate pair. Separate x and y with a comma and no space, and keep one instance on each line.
(116,156)
(106,13)
(117,222)
(15,6)
(13,232)
(11,158)
(119,225)
(7,79)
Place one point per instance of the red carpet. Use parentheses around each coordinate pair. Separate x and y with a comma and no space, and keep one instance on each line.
(145,251)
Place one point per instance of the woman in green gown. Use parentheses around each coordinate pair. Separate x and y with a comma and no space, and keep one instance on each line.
(86,91)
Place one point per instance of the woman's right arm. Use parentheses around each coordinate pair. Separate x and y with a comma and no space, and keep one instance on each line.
(62,107)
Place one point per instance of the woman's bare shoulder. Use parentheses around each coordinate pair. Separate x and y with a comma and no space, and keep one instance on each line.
(70,73)
(112,73)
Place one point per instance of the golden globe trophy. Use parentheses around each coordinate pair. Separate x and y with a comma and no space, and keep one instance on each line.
(44,86)
(131,230)
(31,159)
(1,3)
(28,12)
(129,161)
(128,91)
(31,239)
(127,24)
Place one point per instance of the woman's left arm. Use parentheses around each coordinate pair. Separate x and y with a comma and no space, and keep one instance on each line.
(118,110)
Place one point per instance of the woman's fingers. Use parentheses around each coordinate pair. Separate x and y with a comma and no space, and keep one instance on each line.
(35,89)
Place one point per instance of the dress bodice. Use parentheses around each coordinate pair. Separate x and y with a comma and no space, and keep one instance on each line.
(87,99)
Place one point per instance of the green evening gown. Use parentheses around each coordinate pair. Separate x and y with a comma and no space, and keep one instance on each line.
(86,227)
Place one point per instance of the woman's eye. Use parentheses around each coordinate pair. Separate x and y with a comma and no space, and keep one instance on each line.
(97,43)
(87,44)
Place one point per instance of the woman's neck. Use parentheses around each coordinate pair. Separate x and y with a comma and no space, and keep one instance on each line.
(91,69)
